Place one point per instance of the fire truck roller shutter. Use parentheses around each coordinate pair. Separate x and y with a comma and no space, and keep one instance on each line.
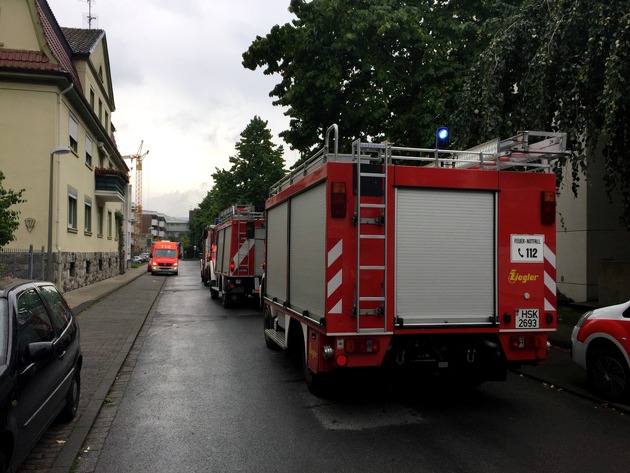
(307,282)
(220,250)
(259,251)
(277,252)
(445,256)
(226,257)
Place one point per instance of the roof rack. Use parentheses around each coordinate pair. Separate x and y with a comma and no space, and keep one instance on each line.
(531,151)
(240,212)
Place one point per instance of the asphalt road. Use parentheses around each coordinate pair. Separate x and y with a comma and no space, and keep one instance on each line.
(200,391)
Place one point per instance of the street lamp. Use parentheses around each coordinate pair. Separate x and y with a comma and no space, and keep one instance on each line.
(53,152)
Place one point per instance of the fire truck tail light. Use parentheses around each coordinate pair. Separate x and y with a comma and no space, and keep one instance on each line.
(338,200)
(232,266)
(365,345)
(547,207)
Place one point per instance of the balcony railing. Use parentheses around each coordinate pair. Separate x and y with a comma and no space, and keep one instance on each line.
(110,187)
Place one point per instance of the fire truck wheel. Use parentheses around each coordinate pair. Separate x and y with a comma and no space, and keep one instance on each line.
(226,300)
(608,373)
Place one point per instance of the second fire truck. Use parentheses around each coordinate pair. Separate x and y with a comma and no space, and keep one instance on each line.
(398,256)
(238,243)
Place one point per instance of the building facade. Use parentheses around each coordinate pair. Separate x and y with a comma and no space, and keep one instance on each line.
(57,143)
(593,249)
(157,226)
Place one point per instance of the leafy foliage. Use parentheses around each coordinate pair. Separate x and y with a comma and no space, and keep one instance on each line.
(562,64)
(257,165)
(9,219)
(385,69)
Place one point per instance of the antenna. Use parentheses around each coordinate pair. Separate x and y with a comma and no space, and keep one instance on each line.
(89,17)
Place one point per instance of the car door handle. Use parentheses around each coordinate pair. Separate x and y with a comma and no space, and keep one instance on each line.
(63,353)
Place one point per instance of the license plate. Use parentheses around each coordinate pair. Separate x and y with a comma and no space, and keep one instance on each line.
(527,318)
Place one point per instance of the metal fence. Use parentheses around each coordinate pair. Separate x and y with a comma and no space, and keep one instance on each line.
(26,264)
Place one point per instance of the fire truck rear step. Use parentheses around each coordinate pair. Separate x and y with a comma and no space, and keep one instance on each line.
(276,337)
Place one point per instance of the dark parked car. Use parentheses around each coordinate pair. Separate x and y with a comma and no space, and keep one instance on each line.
(40,365)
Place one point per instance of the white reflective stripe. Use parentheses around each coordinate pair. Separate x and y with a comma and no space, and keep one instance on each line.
(335,253)
(336,309)
(550,283)
(335,282)
(243,251)
(548,305)
(550,256)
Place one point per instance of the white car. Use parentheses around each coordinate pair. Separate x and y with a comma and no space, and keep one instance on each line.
(136,259)
(600,343)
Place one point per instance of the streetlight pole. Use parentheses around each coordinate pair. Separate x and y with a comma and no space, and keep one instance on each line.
(49,266)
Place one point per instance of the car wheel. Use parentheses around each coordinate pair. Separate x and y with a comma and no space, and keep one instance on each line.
(69,411)
(608,373)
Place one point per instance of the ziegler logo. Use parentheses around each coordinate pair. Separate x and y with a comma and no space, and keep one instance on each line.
(515,276)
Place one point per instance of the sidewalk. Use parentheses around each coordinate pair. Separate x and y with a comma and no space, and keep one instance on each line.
(108,331)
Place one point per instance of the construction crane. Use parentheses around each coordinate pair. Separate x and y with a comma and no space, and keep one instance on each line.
(137,228)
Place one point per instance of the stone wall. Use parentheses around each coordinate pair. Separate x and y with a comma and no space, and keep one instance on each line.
(82,269)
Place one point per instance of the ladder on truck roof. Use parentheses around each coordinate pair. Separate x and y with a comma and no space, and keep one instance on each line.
(370,216)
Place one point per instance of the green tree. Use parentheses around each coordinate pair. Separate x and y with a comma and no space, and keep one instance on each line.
(564,64)
(9,219)
(383,69)
(257,165)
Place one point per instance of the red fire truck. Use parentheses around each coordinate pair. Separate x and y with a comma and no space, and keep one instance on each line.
(239,238)
(397,256)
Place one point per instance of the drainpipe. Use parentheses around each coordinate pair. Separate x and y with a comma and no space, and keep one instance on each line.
(59,138)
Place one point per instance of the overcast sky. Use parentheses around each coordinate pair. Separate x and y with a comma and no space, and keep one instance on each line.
(179,85)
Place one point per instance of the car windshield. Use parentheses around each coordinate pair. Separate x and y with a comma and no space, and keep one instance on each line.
(4,328)
(165,254)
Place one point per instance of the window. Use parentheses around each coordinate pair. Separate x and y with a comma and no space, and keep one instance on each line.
(33,322)
(92,98)
(73,132)
(60,312)
(4,331)
(72,209)
(107,121)
(109,225)
(99,221)
(100,110)
(88,215)
(89,147)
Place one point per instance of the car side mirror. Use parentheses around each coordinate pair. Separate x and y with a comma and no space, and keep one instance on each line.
(39,351)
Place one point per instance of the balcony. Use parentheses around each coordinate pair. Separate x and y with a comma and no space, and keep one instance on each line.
(110,185)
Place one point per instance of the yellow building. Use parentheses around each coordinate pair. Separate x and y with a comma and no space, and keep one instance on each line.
(57,143)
